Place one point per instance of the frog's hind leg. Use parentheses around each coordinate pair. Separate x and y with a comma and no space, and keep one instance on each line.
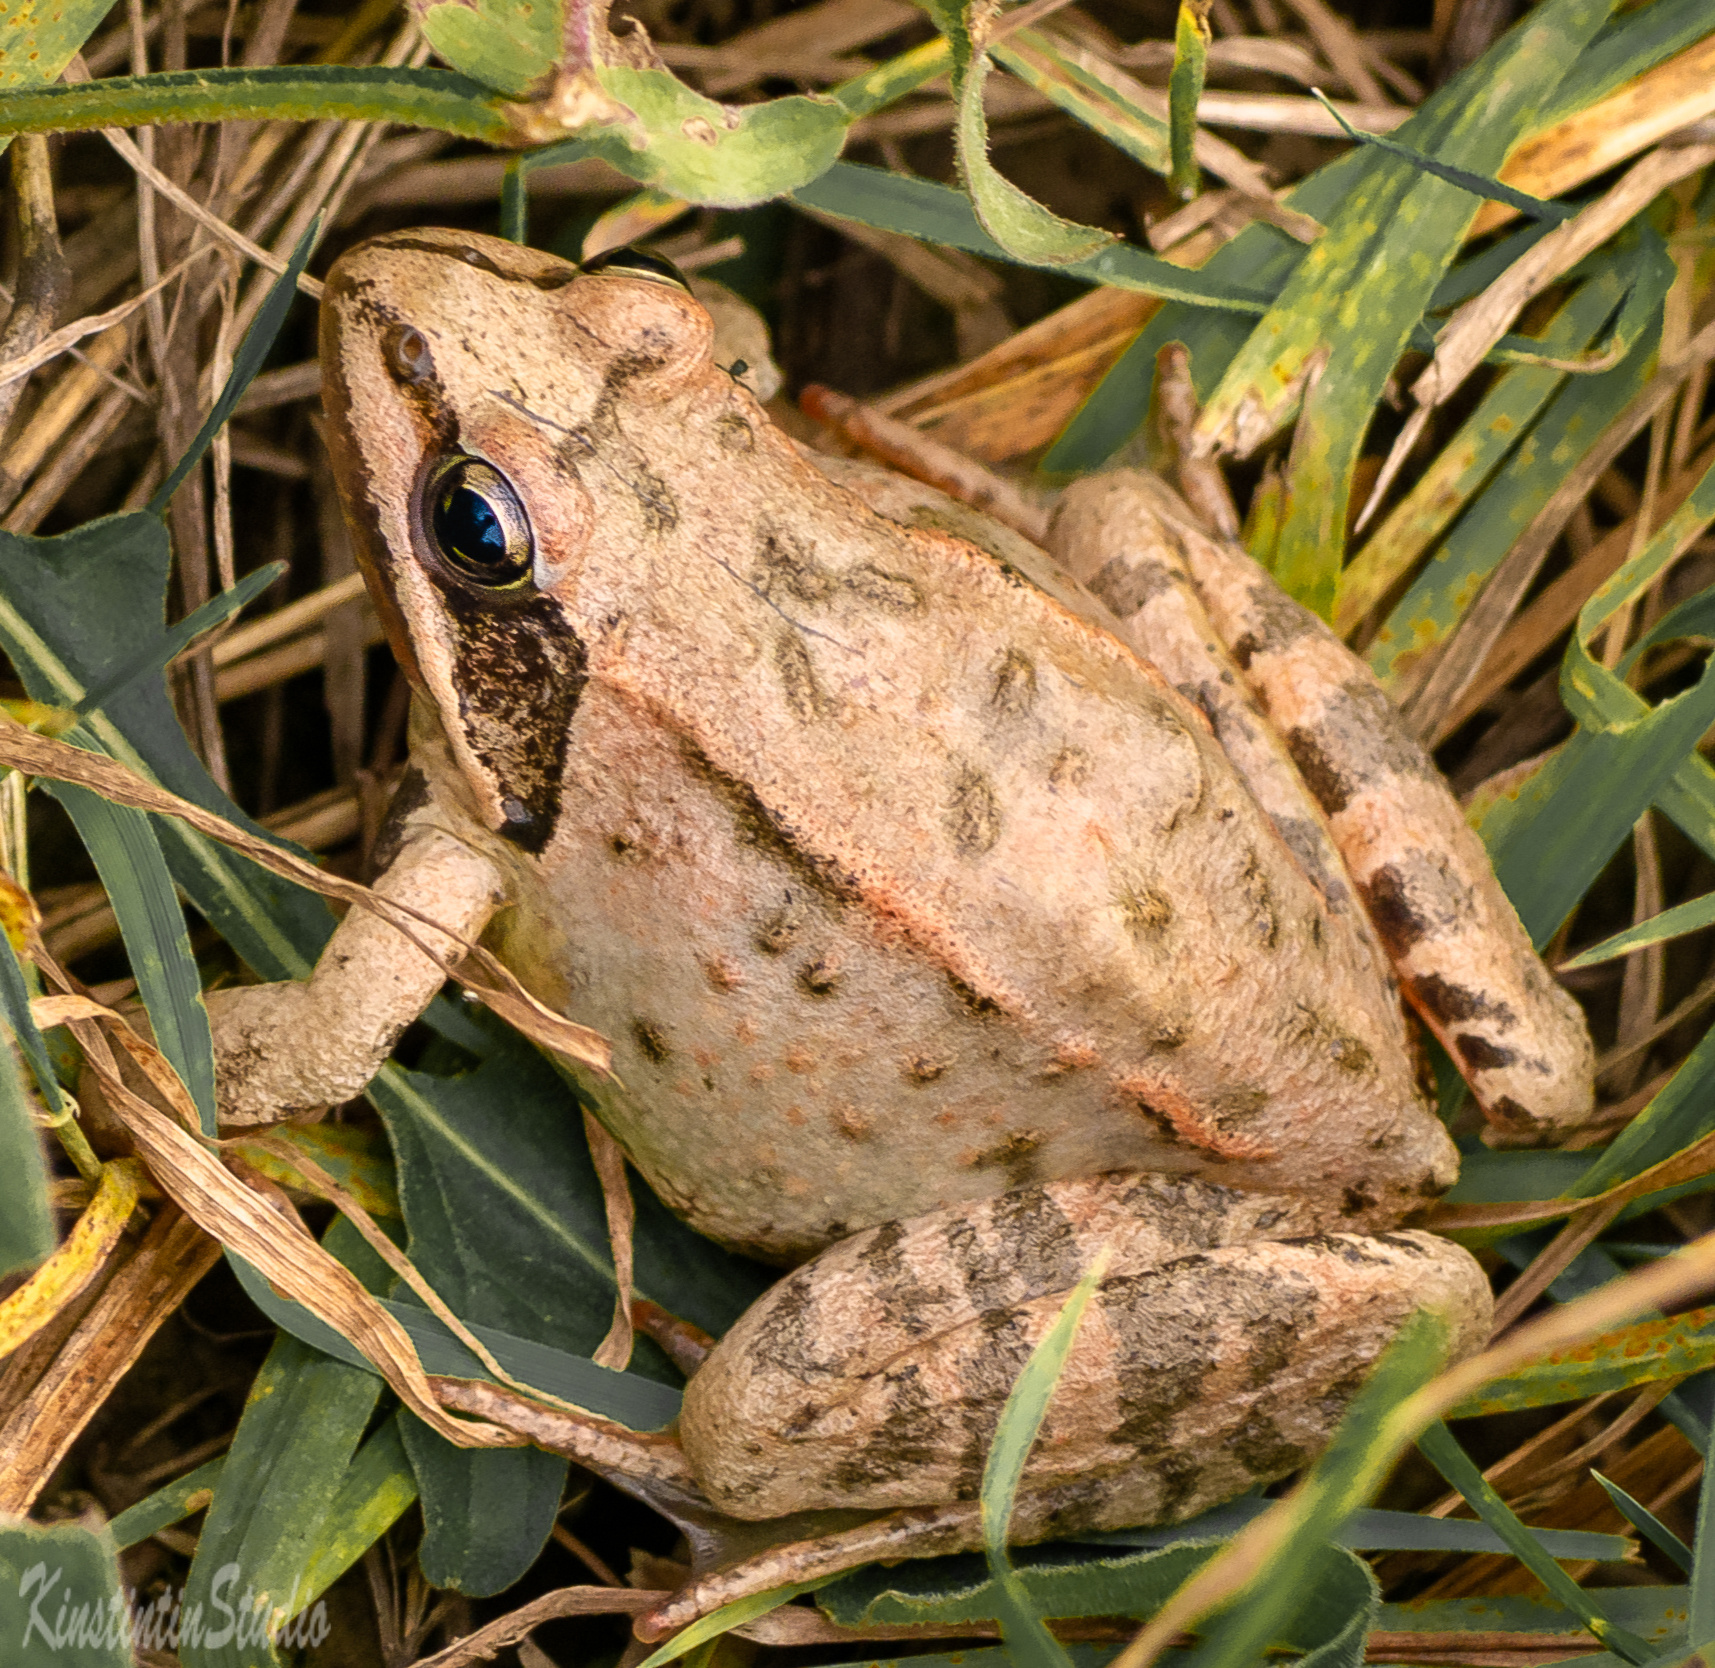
(1219,1351)
(1107,533)
(1462,954)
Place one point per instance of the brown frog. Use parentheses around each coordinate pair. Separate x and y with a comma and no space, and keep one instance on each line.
(954,909)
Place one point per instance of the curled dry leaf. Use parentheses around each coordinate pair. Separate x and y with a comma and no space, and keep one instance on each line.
(479,972)
(267,1233)
(84,1253)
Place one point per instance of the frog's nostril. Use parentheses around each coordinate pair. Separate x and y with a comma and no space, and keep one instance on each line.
(407,354)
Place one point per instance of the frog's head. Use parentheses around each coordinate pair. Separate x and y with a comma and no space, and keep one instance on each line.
(468,384)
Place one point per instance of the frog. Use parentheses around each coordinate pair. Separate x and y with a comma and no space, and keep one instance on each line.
(961,911)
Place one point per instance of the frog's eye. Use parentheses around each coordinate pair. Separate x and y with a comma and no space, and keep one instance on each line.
(627,262)
(477,523)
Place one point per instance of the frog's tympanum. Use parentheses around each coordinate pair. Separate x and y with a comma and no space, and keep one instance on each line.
(955,910)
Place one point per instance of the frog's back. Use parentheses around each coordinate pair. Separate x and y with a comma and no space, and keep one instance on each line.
(897,883)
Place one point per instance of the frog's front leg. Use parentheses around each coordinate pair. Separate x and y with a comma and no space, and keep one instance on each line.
(1220,1351)
(283,1049)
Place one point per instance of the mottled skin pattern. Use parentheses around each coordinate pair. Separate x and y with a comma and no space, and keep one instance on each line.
(1466,963)
(934,929)
(1221,1347)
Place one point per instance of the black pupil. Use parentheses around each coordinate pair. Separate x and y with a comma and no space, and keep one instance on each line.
(467,527)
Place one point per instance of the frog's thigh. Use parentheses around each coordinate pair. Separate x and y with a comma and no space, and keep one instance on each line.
(282,1049)
(1107,534)
(1462,954)
(1212,1357)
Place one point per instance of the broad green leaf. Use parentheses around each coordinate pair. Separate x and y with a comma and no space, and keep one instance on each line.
(1444,1453)
(61,1603)
(1645,1522)
(38,40)
(720,154)
(1485,186)
(1487,1176)
(172,1504)
(500,1195)
(272,1513)
(486,1512)
(509,45)
(626,1398)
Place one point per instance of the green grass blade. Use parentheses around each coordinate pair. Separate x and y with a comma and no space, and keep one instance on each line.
(1700,1613)
(428,98)
(15,1010)
(1349,310)
(515,201)
(1438,1446)
(1636,40)
(1643,1353)
(295,1442)
(1449,484)
(939,214)
(1479,185)
(1043,63)
(1184,90)
(172,1504)
(889,82)
(724,1620)
(258,339)
(1550,842)
(375,1488)
(1671,923)
(1645,1522)
(157,656)
(1120,405)
(1015,1435)
(127,855)
(1371,1529)
(26,1224)
(1262,1611)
